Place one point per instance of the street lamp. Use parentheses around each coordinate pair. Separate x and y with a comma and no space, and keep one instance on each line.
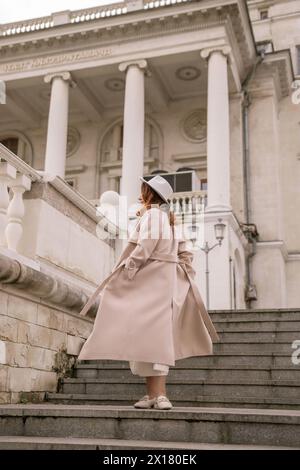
(219,234)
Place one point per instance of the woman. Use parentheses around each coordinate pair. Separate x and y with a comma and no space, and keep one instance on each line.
(151,312)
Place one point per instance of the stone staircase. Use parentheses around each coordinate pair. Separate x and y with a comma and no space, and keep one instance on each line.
(247,395)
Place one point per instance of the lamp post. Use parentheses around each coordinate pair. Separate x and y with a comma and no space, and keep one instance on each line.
(219,234)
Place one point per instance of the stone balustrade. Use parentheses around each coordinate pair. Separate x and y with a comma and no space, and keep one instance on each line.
(15,178)
(16,181)
(161,3)
(65,17)
(90,14)
(83,15)
(183,204)
(26,26)
(188,202)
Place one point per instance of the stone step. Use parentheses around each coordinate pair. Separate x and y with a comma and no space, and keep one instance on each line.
(255,315)
(248,347)
(176,387)
(257,324)
(259,337)
(200,425)
(238,360)
(255,336)
(251,326)
(73,443)
(291,373)
(194,401)
(251,348)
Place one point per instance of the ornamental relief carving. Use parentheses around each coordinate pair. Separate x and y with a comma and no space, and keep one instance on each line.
(73,141)
(194,126)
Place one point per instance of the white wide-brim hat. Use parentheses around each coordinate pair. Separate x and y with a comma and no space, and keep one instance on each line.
(161,186)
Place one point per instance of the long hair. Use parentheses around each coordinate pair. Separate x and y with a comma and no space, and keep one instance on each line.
(149,197)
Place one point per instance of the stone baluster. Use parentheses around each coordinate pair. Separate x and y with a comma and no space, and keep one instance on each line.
(7,174)
(189,205)
(183,207)
(178,208)
(171,201)
(15,211)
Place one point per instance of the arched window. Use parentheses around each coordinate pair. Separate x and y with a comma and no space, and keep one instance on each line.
(110,153)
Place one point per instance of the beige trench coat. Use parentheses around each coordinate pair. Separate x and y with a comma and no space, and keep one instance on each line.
(150,308)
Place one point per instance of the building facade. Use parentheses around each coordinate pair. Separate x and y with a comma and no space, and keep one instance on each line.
(205,90)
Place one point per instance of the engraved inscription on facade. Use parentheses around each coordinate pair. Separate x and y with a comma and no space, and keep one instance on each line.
(61,59)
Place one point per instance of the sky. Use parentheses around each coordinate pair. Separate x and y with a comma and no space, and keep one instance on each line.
(15,10)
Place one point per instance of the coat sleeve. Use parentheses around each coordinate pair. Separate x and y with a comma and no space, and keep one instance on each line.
(149,234)
(186,257)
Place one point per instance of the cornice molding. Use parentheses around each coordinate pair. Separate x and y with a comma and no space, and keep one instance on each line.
(83,42)
(277,67)
(190,17)
(110,34)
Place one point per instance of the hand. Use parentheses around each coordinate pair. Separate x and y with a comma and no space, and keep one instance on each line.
(130,268)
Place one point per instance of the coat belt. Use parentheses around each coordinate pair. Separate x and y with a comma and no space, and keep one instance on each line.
(169,258)
(164,257)
(204,314)
(93,297)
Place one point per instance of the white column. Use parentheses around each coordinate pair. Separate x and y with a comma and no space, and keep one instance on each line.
(56,148)
(133,130)
(218,144)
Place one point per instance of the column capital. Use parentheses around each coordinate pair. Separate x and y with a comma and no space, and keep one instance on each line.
(141,63)
(66,76)
(207,51)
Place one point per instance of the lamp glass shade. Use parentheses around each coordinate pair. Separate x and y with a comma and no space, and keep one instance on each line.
(219,230)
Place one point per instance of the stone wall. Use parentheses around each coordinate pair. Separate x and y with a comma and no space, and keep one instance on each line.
(38,344)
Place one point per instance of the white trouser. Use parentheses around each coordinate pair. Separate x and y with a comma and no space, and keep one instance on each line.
(148,369)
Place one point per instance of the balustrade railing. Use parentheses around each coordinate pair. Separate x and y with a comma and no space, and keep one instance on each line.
(15,178)
(183,203)
(79,16)
(188,202)
(90,14)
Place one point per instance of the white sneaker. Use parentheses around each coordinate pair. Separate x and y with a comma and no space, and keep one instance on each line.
(145,402)
(162,403)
